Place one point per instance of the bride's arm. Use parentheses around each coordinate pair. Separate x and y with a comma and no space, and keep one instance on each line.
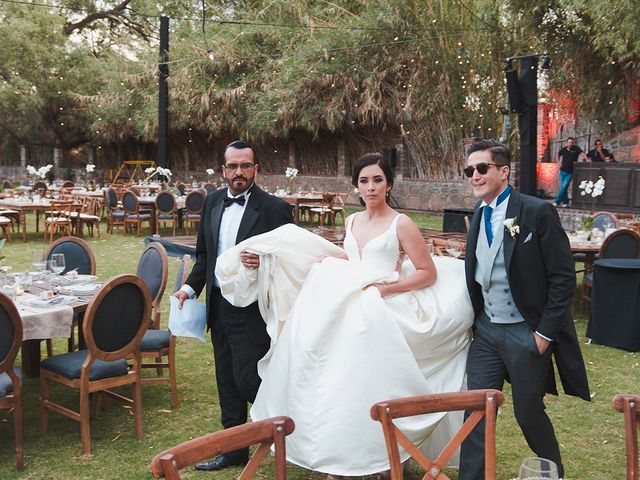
(413,244)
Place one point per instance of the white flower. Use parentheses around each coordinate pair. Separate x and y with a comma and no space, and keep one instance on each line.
(291,172)
(90,167)
(588,187)
(149,170)
(31,170)
(512,226)
(210,171)
(164,171)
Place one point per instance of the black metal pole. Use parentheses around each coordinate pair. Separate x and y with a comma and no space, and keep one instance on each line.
(528,123)
(163,95)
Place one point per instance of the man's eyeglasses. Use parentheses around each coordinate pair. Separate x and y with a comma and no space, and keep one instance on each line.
(242,166)
(481,167)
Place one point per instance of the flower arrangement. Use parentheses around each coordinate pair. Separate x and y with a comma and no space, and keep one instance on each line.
(210,171)
(41,172)
(160,171)
(290,175)
(90,168)
(593,189)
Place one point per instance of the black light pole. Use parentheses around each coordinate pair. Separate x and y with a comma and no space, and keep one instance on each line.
(523,99)
(163,95)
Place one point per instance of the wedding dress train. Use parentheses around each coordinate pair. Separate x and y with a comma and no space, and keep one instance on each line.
(337,349)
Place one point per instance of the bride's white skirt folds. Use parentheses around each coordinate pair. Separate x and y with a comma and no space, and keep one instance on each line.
(337,349)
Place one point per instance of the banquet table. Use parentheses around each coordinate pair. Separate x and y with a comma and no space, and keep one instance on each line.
(42,323)
(149,202)
(614,319)
(590,248)
(24,207)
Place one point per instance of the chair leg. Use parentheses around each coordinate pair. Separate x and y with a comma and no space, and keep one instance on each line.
(137,405)
(85,427)
(44,398)
(49,343)
(175,400)
(18,428)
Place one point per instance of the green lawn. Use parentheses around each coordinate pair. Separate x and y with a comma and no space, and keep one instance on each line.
(591,434)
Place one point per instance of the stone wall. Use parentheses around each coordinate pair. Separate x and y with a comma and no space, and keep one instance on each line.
(626,146)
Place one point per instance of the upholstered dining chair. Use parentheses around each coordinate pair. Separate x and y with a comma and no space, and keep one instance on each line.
(325,210)
(157,344)
(193,205)
(482,403)
(629,406)
(166,210)
(182,189)
(133,215)
(10,376)
(39,185)
(623,243)
(6,185)
(209,187)
(68,184)
(115,214)
(5,224)
(267,432)
(89,216)
(114,324)
(78,256)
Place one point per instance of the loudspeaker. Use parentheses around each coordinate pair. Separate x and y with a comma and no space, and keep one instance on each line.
(513,91)
(390,154)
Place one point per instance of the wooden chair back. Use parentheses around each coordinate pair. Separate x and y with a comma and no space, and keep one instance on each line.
(629,406)
(183,272)
(265,432)
(602,218)
(77,254)
(194,201)
(153,269)
(10,341)
(481,403)
(623,243)
(68,184)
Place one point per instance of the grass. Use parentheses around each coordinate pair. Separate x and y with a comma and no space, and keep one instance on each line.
(591,434)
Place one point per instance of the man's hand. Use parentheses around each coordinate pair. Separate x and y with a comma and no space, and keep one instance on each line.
(249,260)
(181,296)
(541,343)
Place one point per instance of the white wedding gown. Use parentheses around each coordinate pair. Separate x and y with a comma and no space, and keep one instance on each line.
(338,349)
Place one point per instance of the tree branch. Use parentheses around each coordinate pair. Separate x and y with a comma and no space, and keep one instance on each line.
(117,11)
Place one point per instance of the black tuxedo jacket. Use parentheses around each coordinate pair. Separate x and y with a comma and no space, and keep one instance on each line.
(542,280)
(263,213)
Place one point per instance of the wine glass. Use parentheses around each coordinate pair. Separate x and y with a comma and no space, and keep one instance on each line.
(57,263)
(538,469)
(37,259)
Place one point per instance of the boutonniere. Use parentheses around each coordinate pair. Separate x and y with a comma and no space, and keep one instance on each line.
(511,224)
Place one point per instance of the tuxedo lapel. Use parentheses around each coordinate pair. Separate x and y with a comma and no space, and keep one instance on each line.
(250,216)
(513,211)
(216,217)
(472,242)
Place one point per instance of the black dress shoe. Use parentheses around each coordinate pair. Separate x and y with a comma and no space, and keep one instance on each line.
(220,462)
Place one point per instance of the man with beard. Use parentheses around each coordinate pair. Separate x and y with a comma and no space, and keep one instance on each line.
(239,335)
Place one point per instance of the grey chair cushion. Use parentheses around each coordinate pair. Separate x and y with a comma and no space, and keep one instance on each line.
(6,385)
(117,214)
(140,217)
(69,365)
(155,340)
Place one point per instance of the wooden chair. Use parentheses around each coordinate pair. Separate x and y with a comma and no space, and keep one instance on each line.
(182,188)
(193,206)
(115,214)
(5,224)
(10,376)
(153,269)
(210,188)
(57,218)
(40,185)
(158,344)
(68,184)
(265,432)
(325,211)
(629,406)
(78,256)
(114,324)
(603,219)
(133,215)
(166,210)
(482,403)
(89,215)
(623,243)
(339,205)
(7,185)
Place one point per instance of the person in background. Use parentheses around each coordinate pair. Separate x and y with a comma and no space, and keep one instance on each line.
(600,154)
(567,156)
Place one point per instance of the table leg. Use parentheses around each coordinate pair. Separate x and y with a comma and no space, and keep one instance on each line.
(154,226)
(31,357)
(22,220)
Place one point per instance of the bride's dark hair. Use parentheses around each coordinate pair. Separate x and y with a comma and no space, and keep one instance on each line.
(371,159)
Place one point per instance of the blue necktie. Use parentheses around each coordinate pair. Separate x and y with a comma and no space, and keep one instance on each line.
(488,211)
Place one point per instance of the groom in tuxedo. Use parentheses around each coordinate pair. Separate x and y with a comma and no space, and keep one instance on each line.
(239,335)
(521,280)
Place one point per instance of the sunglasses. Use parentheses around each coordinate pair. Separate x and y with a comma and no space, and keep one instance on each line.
(482,168)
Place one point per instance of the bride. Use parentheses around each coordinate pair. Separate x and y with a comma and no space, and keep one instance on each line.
(353,327)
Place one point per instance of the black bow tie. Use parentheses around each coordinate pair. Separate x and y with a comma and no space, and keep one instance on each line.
(239,200)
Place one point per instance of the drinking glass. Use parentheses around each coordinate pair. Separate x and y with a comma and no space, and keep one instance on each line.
(538,469)
(37,259)
(57,263)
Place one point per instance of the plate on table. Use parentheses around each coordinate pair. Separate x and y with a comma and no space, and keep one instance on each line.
(55,301)
(66,280)
(80,289)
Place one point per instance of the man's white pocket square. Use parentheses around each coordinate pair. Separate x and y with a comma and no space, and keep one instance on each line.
(529,237)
